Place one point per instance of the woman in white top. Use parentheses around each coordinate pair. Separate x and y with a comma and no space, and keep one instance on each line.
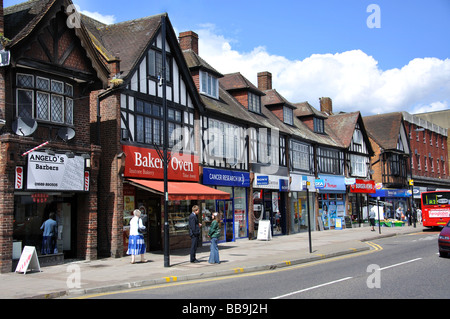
(136,243)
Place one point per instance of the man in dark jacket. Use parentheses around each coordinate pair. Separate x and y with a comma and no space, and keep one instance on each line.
(194,231)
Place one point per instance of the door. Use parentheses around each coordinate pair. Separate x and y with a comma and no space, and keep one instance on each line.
(154,225)
(226,211)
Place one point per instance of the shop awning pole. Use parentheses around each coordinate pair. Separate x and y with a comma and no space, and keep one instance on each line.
(165,145)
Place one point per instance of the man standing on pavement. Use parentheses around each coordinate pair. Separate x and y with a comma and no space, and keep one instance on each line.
(194,232)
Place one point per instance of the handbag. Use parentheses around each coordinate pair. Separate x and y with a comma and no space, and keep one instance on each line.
(141,230)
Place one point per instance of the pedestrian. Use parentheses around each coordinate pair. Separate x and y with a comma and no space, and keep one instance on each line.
(419,215)
(214,233)
(136,242)
(372,217)
(194,232)
(50,228)
(399,213)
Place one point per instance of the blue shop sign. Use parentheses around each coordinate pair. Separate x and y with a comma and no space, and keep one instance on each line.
(222,177)
(284,185)
(331,183)
(391,193)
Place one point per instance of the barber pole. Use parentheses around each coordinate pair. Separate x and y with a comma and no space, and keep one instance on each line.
(36,148)
(19,177)
(86,181)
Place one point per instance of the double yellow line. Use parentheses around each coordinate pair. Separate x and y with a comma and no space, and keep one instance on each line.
(374,246)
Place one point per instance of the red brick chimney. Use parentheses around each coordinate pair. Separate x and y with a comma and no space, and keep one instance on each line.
(188,41)
(326,105)
(264,81)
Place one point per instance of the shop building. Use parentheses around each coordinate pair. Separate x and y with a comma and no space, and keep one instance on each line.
(429,152)
(130,128)
(391,162)
(48,162)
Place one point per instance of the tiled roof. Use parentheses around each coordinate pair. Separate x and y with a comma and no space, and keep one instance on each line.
(126,41)
(384,129)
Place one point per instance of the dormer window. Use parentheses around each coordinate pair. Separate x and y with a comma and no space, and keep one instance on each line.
(288,115)
(209,84)
(254,102)
(319,126)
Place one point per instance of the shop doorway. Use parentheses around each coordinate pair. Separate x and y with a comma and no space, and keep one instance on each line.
(226,211)
(154,225)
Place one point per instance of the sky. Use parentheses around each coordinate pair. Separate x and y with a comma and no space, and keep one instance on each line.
(372,56)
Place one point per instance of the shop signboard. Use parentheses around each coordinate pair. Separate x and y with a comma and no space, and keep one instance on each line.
(28,260)
(270,181)
(363,186)
(55,172)
(331,183)
(145,163)
(222,177)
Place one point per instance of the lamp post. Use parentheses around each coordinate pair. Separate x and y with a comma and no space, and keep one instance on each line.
(309,217)
(165,144)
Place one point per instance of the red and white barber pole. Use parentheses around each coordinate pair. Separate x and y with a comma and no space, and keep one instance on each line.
(19,177)
(36,148)
(86,181)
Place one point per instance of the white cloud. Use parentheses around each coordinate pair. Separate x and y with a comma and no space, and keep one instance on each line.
(106,19)
(352,78)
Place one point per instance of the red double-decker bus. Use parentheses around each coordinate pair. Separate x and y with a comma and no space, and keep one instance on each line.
(435,208)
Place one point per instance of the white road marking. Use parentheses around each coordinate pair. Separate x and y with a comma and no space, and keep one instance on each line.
(311,288)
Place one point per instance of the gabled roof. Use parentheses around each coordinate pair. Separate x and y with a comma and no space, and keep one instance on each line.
(385,129)
(23,19)
(305,109)
(272,97)
(236,81)
(196,62)
(126,41)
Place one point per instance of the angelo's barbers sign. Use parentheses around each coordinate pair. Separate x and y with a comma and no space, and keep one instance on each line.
(55,172)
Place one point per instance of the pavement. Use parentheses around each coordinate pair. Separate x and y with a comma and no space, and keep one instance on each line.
(81,278)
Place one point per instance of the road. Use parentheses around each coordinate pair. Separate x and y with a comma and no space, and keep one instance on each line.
(402,267)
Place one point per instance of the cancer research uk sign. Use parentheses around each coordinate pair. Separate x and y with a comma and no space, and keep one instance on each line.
(55,172)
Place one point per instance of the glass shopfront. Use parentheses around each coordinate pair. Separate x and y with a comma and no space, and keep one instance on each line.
(232,212)
(331,199)
(269,201)
(299,203)
(31,211)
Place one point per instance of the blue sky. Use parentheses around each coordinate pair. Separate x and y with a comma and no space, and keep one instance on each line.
(318,48)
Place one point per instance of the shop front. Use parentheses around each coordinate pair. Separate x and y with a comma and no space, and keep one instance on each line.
(331,200)
(397,201)
(359,191)
(51,186)
(232,211)
(270,201)
(300,203)
(144,190)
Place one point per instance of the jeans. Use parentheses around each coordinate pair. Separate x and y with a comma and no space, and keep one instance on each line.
(214,254)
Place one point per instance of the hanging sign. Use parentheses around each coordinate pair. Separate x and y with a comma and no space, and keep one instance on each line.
(28,260)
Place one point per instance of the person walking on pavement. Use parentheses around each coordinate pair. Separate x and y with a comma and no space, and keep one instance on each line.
(136,242)
(214,233)
(194,232)
(372,217)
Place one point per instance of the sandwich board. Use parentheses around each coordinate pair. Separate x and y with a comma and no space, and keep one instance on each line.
(264,231)
(28,260)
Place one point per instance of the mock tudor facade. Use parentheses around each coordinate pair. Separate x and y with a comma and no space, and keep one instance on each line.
(82,135)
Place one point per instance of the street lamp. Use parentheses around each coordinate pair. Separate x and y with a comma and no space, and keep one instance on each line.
(165,145)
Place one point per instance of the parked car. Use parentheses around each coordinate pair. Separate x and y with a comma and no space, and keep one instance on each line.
(444,241)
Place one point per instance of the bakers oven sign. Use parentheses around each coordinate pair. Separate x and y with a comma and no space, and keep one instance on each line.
(146,163)
(55,172)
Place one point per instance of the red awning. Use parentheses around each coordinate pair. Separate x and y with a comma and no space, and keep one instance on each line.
(180,190)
